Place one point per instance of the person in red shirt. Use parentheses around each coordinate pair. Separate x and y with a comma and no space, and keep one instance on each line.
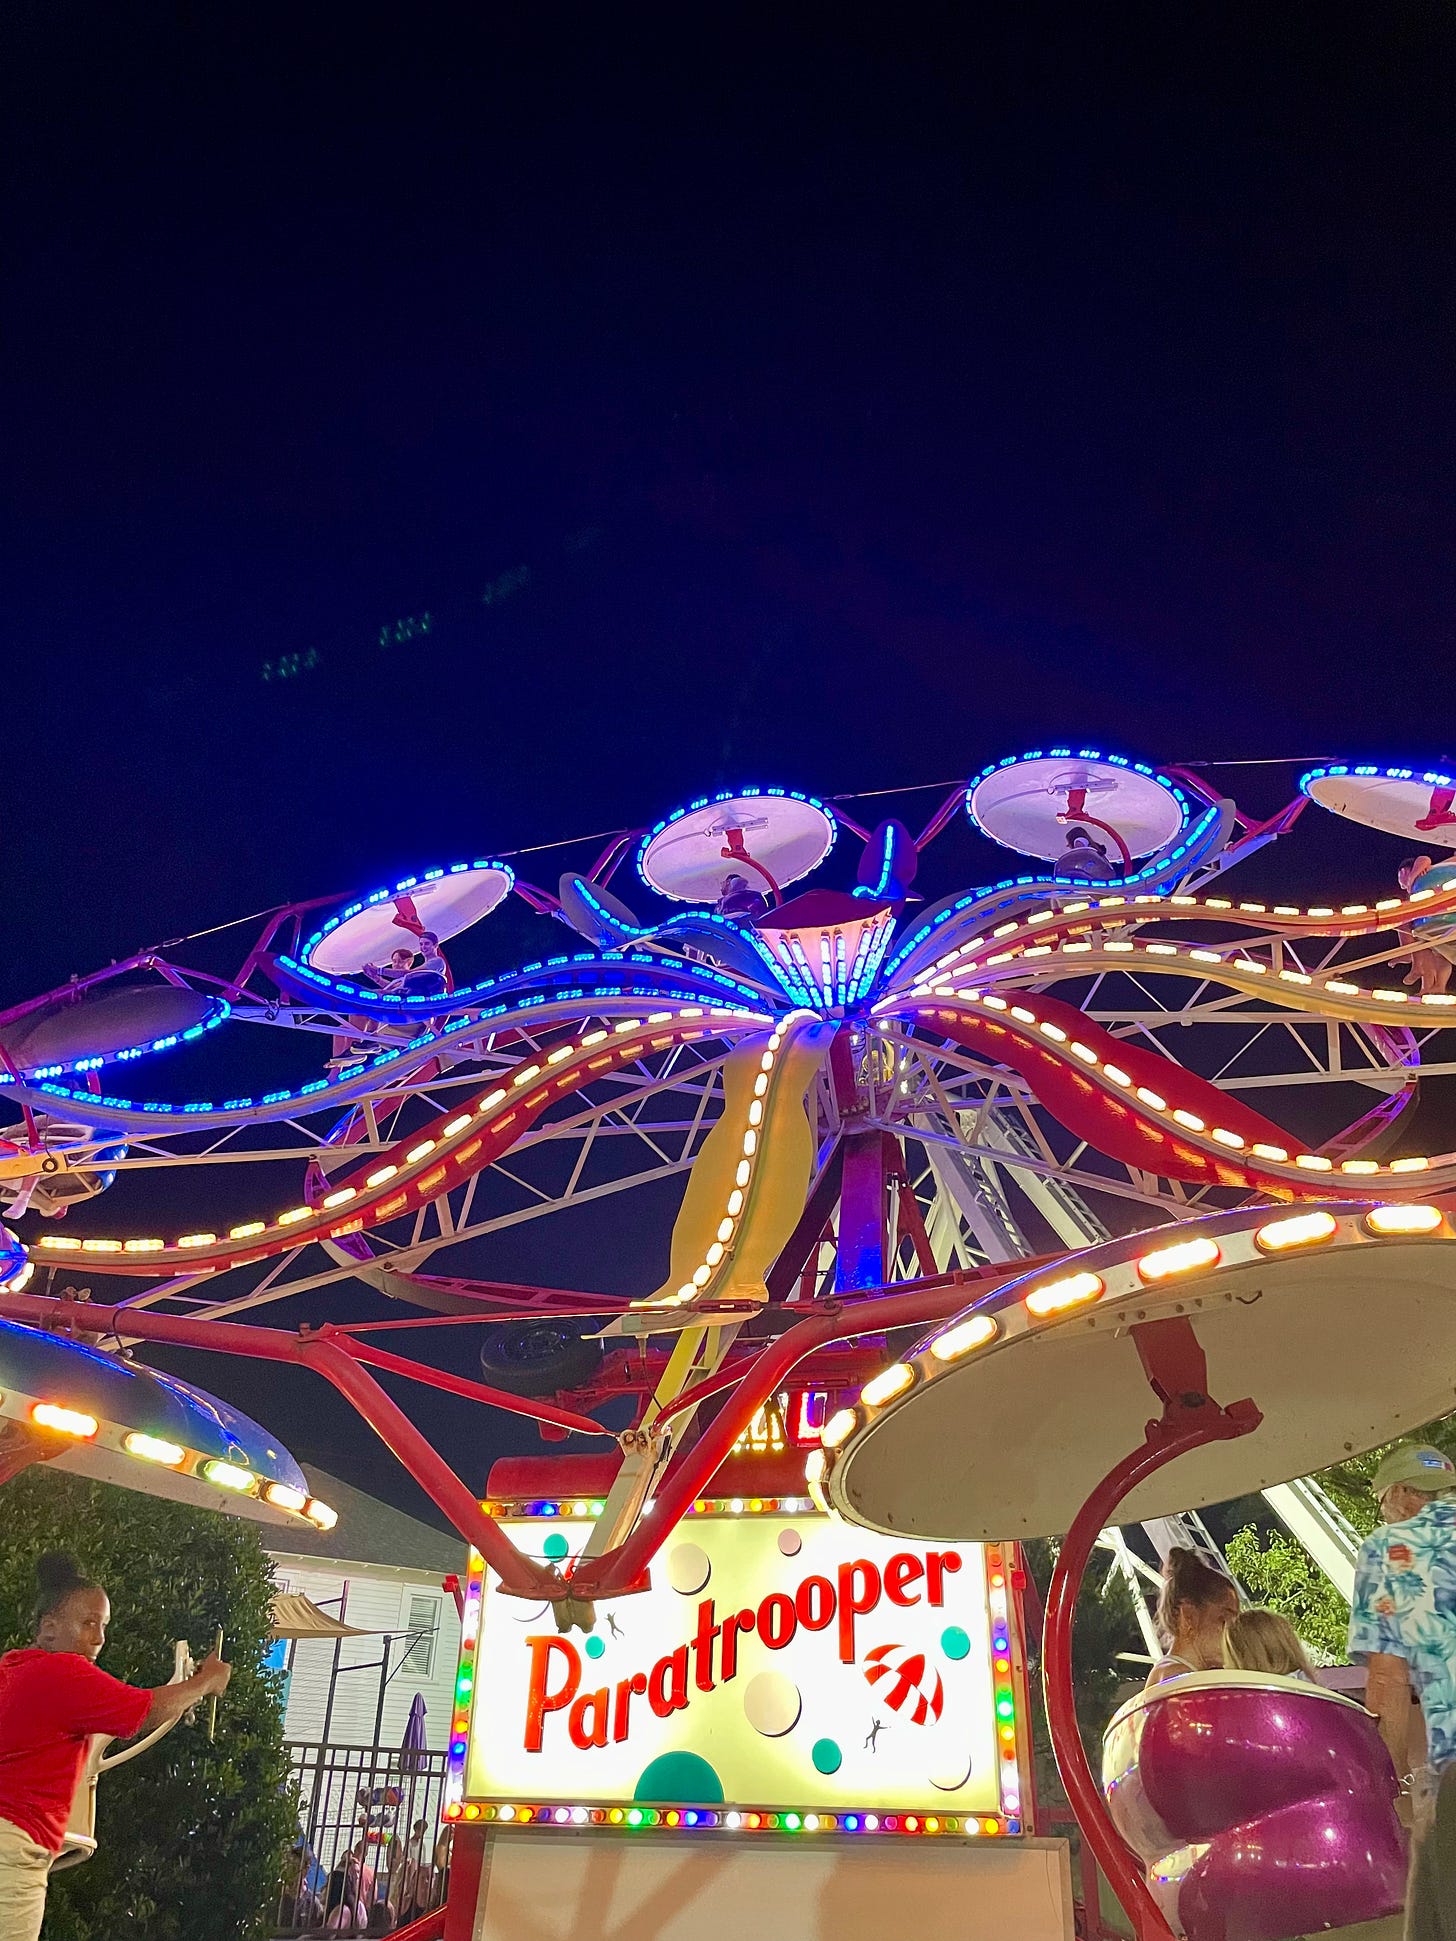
(53,1698)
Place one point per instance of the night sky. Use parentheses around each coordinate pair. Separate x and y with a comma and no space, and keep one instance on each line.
(741,402)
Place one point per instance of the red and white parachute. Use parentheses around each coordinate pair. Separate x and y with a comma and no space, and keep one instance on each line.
(903,1682)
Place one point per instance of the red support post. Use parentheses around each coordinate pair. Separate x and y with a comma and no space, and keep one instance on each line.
(467,1864)
(1174,1363)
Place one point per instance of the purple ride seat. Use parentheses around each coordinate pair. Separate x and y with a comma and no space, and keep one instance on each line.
(1262,1807)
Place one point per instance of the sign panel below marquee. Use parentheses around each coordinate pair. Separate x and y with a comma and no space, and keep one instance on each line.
(785,1671)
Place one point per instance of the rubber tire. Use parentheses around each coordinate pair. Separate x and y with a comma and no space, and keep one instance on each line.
(536,1358)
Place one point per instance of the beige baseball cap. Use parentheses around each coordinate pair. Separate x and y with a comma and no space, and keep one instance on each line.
(1417,1464)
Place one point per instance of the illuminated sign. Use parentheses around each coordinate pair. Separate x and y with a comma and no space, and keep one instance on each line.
(785,1671)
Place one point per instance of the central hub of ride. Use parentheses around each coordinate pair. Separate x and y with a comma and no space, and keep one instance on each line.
(829,946)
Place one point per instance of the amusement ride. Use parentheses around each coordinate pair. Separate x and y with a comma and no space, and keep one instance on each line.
(974,1186)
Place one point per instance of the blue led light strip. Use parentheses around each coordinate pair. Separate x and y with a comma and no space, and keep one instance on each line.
(734,795)
(359,1080)
(220,1012)
(1426,777)
(404,888)
(1186,854)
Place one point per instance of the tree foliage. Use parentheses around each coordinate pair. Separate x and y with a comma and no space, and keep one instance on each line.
(1281,1574)
(191,1835)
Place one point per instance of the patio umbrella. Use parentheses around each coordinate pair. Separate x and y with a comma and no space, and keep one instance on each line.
(295,1616)
(413,1742)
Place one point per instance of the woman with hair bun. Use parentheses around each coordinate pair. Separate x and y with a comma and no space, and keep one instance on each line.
(53,1698)
(1196,1602)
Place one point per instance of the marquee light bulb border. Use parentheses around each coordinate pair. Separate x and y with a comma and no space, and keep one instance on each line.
(631,1815)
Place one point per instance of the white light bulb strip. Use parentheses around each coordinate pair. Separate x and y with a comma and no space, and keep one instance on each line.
(79,1425)
(1265,1161)
(1352,920)
(1082,1287)
(717,1256)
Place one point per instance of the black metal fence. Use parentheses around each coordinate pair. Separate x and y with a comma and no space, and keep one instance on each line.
(372,1850)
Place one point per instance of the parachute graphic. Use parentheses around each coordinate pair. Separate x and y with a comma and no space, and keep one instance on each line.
(920,1696)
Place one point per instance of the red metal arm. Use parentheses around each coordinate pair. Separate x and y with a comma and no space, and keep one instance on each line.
(441,1378)
(602,1576)
(329,1357)
(1174,1364)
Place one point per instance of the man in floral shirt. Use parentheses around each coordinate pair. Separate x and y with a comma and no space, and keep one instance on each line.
(1403,1613)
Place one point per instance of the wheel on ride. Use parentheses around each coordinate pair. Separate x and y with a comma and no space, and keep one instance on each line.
(539,1357)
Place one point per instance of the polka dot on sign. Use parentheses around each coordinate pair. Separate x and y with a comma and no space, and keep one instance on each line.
(594,1647)
(688,1569)
(954,1642)
(952,1775)
(826,1756)
(790,1542)
(772,1704)
(681,1779)
(556,1546)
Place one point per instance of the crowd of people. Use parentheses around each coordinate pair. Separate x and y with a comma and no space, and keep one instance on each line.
(376,1885)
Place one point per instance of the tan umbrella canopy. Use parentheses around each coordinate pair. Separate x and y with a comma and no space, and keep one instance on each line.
(296,1616)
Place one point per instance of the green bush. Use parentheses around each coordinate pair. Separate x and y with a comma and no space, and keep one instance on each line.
(191,1835)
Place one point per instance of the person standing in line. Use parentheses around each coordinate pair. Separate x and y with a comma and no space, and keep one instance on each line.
(1403,1616)
(53,1699)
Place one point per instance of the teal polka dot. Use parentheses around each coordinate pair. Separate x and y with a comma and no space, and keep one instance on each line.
(594,1647)
(556,1546)
(681,1779)
(954,1642)
(826,1756)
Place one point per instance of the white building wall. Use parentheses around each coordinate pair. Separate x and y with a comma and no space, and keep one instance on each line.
(377,1598)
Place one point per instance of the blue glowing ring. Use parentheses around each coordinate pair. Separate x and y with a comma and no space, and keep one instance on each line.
(409,886)
(1015,891)
(1394,800)
(1164,782)
(219,1012)
(642,981)
(736,795)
